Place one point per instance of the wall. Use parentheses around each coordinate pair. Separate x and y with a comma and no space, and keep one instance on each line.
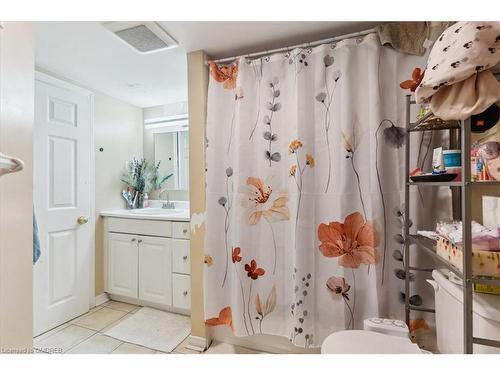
(118,129)
(17,68)
(197,88)
(477,200)
(479,191)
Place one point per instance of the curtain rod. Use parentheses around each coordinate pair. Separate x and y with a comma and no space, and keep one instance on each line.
(303,45)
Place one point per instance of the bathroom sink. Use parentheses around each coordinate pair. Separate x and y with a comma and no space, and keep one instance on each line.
(156,211)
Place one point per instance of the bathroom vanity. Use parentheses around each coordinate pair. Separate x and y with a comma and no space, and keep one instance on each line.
(146,260)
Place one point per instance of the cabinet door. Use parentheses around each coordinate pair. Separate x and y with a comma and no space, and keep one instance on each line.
(155,270)
(122,264)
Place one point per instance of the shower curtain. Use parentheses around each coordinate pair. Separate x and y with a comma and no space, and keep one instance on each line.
(305,179)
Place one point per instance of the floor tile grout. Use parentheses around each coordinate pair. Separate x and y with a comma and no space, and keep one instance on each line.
(110,324)
(181,348)
(79,342)
(69,322)
(125,311)
(53,330)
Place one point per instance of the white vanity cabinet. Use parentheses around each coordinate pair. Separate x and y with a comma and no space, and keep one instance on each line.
(147,262)
(155,269)
(122,262)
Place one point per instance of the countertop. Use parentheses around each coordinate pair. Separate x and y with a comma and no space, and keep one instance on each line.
(154,214)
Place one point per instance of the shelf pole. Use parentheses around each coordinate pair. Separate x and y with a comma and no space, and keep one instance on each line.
(466,236)
(407,212)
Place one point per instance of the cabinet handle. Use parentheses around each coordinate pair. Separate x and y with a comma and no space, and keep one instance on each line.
(185,293)
(139,241)
(184,231)
(185,257)
(133,239)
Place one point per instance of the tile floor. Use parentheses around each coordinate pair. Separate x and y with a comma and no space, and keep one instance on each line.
(83,335)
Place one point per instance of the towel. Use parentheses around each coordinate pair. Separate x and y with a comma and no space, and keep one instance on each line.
(407,37)
(466,98)
(36,241)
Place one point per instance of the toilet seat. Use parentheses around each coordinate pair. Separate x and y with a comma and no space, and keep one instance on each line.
(367,342)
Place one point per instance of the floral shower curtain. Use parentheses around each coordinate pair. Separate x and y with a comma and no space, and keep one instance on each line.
(305,179)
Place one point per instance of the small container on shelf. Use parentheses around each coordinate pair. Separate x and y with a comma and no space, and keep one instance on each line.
(473,162)
(452,158)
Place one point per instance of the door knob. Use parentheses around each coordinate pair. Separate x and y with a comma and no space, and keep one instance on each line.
(185,293)
(82,220)
(185,257)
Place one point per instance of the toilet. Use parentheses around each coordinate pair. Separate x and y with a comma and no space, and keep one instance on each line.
(449,315)
(379,336)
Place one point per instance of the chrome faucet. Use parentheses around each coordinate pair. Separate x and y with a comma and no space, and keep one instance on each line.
(168,204)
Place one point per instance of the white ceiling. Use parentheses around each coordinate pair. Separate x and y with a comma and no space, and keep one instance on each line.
(86,53)
(227,39)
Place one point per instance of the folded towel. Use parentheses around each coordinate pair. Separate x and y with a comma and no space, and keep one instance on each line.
(407,37)
(482,238)
(466,98)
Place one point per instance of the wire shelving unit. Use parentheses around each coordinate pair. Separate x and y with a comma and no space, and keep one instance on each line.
(429,246)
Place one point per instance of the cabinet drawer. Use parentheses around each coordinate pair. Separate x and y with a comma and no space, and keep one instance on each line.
(181,291)
(180,229)
(181,262)
(146,227)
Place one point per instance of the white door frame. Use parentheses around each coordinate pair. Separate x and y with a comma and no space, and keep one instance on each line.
(60,83)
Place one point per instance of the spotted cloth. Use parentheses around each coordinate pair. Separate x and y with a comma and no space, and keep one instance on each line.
(462,51)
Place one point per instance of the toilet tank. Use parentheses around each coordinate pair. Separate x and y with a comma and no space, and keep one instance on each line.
(449,317)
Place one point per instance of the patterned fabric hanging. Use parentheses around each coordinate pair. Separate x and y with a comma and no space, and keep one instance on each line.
(304,170)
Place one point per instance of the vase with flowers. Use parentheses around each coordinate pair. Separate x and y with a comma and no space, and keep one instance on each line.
(141,177)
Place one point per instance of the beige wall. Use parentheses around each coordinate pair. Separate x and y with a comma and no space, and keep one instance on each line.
(479,191)
(16,190)
(118,129)
(197,88)
(477,200)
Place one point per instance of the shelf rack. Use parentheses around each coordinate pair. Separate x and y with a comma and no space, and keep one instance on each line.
(429,246)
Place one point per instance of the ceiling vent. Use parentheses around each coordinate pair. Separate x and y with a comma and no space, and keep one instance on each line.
(143,37)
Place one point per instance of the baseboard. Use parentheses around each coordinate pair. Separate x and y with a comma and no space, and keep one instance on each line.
(101,298)
(197,343)
(139,302)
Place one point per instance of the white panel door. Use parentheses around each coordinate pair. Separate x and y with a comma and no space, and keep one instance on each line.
(122,264)
(62,176)
(155,270)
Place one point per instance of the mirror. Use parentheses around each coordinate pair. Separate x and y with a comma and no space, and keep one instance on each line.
(172,148)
